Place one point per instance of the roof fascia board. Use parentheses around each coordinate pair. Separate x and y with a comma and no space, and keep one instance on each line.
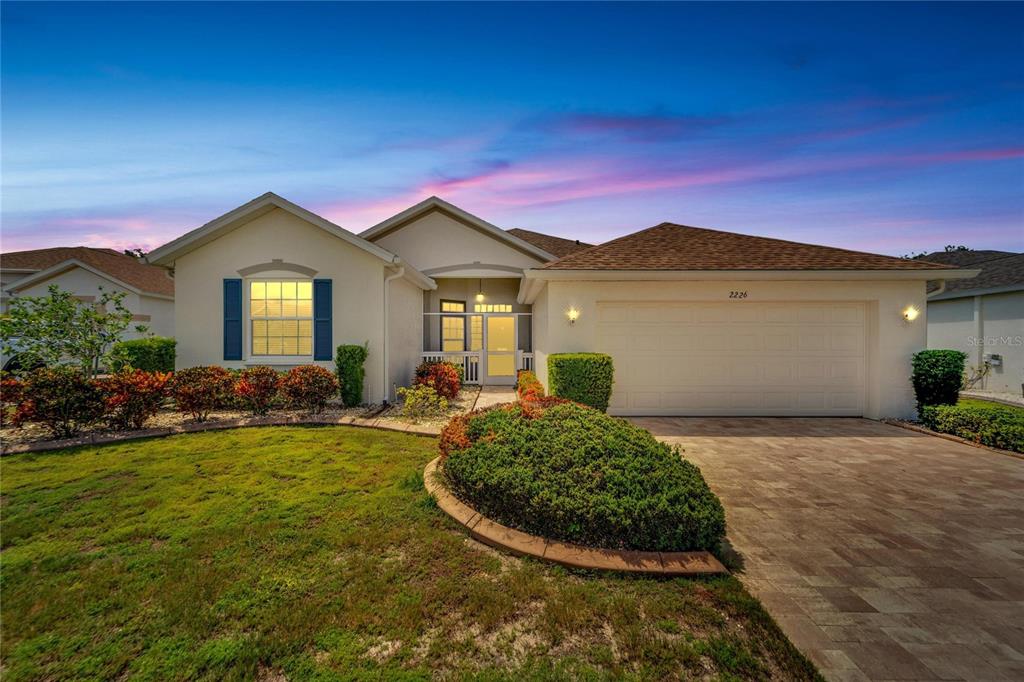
(400,220)
(752,275)
(415,276)
(166,254)
(970,293)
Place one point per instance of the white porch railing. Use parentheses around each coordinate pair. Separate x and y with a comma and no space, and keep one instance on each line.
(468,360)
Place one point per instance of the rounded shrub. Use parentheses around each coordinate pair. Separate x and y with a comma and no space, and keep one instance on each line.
(257,388)
(936,376)
(582,377)
(309,387)
(571,473)
(134,396)
(153,354)
(62,399)
(444,377)
(200,390)
(348,363)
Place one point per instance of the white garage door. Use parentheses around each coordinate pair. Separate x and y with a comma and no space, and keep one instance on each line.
(735,358)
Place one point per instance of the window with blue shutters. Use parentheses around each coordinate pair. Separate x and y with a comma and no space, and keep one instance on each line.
(232,319)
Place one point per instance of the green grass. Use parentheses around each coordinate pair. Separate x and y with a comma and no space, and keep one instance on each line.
(315,553)
(984,404)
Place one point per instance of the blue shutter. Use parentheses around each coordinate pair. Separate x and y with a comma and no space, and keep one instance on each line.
(322,345)
(232,319)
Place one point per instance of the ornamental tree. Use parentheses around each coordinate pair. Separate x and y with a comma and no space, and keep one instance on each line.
(59,329)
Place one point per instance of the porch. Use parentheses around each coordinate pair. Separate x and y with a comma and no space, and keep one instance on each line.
(478,325)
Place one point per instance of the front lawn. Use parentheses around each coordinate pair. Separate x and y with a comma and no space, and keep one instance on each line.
(302,552)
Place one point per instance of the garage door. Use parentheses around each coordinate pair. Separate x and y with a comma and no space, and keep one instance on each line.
(735,358)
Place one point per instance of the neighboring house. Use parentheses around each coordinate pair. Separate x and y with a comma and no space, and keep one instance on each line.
(149,291)
(698,321)
(982,316)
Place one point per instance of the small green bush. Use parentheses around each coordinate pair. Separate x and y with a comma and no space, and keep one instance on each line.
(583,377)
(571,473)
(991,424)
(936,376)
(153,354)
(348,365)
(420,401)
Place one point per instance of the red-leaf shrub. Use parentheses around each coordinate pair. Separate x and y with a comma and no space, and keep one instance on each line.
(535,407)
(257,387)
(453,435)
(309,387)
(528,386)
(62,399)
(133,396)
(12,393)
(199,390)
(443,377)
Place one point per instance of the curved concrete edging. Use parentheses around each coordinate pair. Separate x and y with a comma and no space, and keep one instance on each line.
(574,556)
(198,427)
(949,436)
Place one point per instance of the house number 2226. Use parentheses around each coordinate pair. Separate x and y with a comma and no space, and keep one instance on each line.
(737,294)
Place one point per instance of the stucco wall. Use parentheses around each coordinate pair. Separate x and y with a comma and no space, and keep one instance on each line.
(997,329)
(357,277)
(436,240)
(404,328)
(890,340)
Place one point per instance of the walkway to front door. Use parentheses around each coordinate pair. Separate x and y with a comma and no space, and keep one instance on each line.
(494,395)
(883,553)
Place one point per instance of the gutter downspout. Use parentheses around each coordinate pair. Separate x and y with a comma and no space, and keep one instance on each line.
(387,298)
(942,288)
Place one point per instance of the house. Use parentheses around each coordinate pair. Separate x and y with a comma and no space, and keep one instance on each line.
(84,271)
(982,316)
(698,321)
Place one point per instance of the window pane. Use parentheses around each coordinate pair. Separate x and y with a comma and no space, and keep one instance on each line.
(306,328)
(304,309)
(281,314)
(259,346)
(288,290)
(274,308)
(290,345)
(290,328)
(305,290)
(288,307)
(305,346)
(275,328)
(274,346)
(259,327)
(257,290)
(273,290)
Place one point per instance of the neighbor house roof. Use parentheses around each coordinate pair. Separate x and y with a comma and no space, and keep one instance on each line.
(1000,271)
(678,247)
(127,269)
(556,246)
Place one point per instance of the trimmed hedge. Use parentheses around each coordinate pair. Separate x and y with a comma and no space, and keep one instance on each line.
(936,376)
(583,377)
(571,473)
(991,424)
(153,354)
(348,365)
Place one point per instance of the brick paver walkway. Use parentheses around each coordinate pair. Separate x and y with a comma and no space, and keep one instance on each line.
(884,554)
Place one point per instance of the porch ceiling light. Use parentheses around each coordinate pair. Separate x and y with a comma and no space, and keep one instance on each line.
(480,292)
(910,313)
(573,314)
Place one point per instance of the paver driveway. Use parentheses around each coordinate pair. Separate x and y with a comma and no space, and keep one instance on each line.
(883,553)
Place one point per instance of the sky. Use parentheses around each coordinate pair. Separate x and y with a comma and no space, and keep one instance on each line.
(892,128)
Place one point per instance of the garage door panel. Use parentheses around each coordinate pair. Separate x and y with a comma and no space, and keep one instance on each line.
(777,358)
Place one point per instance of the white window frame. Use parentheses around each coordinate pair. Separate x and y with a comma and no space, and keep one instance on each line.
(250,357)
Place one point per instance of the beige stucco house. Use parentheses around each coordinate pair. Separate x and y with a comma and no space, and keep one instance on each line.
(88,273)
(698,321)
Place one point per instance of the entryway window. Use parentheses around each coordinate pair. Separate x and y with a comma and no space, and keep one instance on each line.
(453,328)
(492,308)
(281,317)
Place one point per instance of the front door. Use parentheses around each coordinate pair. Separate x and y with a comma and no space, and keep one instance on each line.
(500,361)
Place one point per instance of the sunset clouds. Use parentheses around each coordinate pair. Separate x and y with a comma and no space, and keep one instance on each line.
(818,123)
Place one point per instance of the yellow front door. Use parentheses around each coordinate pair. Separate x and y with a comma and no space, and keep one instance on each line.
(501,349)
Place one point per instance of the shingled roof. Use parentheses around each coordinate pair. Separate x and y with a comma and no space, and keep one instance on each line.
(678,247)
(556,246)
(148,278)
(999,269)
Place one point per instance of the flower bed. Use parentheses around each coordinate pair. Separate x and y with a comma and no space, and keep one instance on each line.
(568,472)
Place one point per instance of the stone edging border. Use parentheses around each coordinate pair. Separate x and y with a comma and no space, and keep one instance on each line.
(948,436)
(197,427)
(574,556)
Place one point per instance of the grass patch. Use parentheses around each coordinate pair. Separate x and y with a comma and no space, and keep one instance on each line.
(316,553)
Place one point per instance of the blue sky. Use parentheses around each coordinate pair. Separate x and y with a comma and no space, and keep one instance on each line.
(888,128)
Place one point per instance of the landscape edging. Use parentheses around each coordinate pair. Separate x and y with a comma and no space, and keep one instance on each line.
(949,436)
(563,553)
(198,427)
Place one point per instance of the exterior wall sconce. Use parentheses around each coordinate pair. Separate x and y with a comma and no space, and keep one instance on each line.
(573,314)
(910,313)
